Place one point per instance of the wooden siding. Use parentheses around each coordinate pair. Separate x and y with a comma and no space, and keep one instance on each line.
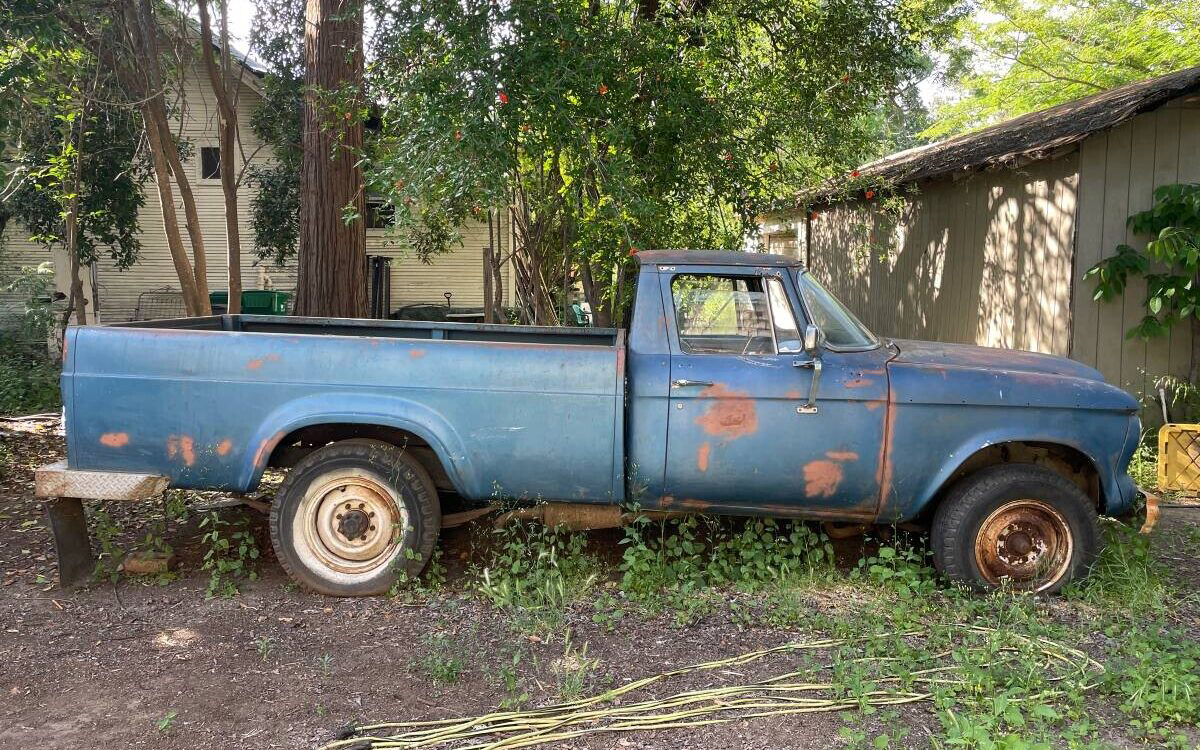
(984,260)
(459,272)
(1119,170)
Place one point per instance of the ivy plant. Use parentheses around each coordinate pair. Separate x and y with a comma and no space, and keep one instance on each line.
(1169,262)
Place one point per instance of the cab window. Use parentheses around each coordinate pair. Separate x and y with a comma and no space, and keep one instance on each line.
(729,314)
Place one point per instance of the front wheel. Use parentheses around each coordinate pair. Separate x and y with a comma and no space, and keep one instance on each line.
(349,518)
(1016,525)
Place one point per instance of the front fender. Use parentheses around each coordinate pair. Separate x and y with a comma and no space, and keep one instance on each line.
(1102,437)
(366,409)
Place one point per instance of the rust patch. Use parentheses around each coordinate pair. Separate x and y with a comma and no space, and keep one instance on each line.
(224,447)
(732,414)
(842,455)
(821,478)
(115,439)
(258,362)
(183,447)
(416,353)
(702,455)
(264,449)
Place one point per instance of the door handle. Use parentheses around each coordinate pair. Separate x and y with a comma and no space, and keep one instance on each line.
(684,382)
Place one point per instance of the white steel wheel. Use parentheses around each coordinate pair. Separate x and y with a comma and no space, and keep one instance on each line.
(352,516)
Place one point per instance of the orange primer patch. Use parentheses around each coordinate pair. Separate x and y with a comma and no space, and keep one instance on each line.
(182,446)
(258,362)
(821,478)
(732,414)
(224,447)
(115,439)
(702,456)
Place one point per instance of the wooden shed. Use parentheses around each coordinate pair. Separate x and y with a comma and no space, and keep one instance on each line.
(985,238)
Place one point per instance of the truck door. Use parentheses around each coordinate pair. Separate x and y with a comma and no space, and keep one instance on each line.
(742,433)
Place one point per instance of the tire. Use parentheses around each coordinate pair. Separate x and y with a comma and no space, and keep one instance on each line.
(1019,525)
(325,519)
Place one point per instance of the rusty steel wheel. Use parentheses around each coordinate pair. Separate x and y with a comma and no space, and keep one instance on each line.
(352,516)
(1017,525)
(1025,542)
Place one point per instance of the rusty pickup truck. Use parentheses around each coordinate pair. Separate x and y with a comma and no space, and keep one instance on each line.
(742,387)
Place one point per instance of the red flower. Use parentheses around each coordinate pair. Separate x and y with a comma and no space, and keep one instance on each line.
(503,97)
(603,89)
(870,194)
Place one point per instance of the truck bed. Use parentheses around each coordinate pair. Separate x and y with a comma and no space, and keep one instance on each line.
(515,410)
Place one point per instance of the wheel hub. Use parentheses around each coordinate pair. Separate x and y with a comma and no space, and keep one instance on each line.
(1024,542)
(352,522)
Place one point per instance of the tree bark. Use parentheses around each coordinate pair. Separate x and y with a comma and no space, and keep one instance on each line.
(142,32)
(219,78)
(332,254)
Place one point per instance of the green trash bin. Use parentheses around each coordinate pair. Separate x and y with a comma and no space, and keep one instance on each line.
(254,302)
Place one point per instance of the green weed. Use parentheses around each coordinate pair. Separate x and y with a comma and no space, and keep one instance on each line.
(229,555)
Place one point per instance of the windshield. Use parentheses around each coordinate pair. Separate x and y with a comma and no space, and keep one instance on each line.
(839,325)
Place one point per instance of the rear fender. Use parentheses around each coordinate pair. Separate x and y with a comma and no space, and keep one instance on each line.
(352,408)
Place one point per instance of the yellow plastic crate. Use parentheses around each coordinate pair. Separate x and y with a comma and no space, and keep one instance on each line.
(1179,458)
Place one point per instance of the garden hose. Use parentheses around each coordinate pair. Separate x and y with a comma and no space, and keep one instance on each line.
(784,694)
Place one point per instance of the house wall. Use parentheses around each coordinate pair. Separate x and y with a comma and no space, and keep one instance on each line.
(1119,170)
(983,260)
(459,272)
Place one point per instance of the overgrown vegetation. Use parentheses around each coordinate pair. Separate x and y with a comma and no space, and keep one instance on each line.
(902,618)
(28,372)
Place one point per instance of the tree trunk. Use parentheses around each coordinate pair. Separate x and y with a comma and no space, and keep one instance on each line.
(219,78)
(332,255)
(142,32)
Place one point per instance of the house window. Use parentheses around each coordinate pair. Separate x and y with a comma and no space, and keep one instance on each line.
(210,163)
(380,214)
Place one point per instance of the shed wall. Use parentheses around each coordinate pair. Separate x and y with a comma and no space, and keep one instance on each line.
(1119,170)
(983,260)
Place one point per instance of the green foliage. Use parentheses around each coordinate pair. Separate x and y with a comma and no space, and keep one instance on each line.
(537,569)
(1169,263)
(903,569)
(441,661)
(28,375)
(1157,678)
(672,556)
(230,552)
(1126,574)
(608,127)
(1017,56)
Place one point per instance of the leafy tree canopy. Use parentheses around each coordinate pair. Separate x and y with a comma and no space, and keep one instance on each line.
(1018,56)
(607,126)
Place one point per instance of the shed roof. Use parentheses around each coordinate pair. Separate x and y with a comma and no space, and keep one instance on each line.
(1036,135)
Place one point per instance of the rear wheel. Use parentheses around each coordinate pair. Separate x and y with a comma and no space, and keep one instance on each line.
(352,516)
(1018,525)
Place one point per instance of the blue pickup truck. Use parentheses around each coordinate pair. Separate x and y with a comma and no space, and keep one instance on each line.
(742,387)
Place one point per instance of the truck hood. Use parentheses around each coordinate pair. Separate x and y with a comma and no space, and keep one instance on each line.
(937,354)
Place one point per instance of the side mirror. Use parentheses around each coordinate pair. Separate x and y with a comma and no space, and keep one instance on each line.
(813,339)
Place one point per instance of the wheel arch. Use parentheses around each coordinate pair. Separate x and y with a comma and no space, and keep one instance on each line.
(355,415)
(1064,458)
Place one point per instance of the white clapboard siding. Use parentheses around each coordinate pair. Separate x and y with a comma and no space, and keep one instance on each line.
(459,272)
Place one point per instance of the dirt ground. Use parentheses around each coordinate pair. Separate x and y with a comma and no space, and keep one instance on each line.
(277,667)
